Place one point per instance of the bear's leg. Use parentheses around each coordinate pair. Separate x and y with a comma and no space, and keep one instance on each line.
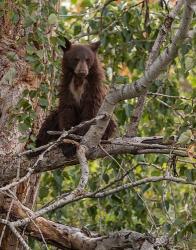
(50,124)
(67,118)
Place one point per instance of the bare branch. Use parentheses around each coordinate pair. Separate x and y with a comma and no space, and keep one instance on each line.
(47,148)
(63,134)
(163,32)
(84,167)
(66,237)
(78,196)
(55,159)
(20,238)
(66,199)
(7,218)
(17,234)
(143,181)
(136,116)
(127,91)
(168,96)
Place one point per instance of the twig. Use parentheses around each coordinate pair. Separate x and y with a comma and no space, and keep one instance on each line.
(26,210)
(49,147)
(97,194)
(17,234)
(141,182)
(148,210)
(7,218)
(168,96)
(79,191)
(163,32)
(188,162)
(79,126)
(113,147)
(171,108)
(64,134)
(127,91)
(20,238)
(102,11)
(138,110)
(117,180)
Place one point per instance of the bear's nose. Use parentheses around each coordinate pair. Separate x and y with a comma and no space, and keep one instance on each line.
(82,74)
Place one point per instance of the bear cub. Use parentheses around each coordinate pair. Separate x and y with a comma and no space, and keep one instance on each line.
(80,96)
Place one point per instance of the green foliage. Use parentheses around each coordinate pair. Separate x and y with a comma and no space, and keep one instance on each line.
(126,39)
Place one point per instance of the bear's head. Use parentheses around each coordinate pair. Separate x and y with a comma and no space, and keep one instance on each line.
(79,58)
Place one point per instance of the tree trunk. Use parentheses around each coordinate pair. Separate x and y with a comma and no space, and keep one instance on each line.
(15,77)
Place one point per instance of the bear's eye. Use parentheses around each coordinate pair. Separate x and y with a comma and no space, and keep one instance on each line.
(88,60)
(76,59)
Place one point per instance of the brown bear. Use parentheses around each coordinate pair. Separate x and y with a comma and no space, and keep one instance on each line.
(81,92)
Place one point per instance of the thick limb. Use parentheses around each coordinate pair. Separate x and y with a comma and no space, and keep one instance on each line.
(89,111)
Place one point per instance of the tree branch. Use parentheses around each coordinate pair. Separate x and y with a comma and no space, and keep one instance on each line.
(163,32)
(101,193)
(143,181)
(66,237)
(54,158)
(127,91)
(97,194)
(17,234)
(73,195)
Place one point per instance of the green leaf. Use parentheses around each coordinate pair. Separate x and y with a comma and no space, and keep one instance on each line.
(43,192)
(40,53)
(28,21)
(86,3)
(43,102)
(15,17)
(12,56)
(23,127)
(52,19)
(116,198)
(77,29)
(190,174)
(10,75)
(185,137)
(92,211)
(128,109)
(106,178)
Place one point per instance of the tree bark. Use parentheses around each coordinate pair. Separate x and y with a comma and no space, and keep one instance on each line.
(15,77)
(67,237)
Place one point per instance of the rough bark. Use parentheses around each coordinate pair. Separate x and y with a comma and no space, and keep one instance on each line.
(15,76)
(54,159)
(67,237)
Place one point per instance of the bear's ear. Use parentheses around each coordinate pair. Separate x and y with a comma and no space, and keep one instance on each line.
(95,46)
(67,45)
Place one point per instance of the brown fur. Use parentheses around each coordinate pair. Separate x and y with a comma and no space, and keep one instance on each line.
(81,92)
